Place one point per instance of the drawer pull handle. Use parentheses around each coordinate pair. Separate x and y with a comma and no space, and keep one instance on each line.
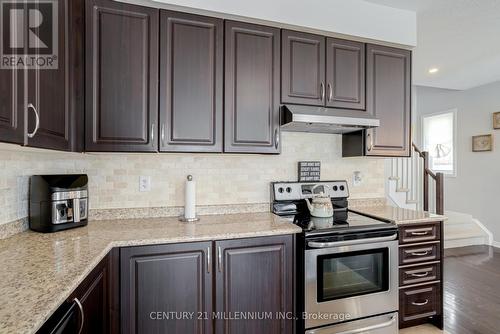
(421,303)
(420,233)
(420,275)
(419,253)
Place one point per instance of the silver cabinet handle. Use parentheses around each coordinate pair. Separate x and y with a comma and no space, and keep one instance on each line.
(219,257)
(321,91)
(37,120)
(419,233)
(82,314)
(276,138)
(209,264)
(420,275)
(162,134)
(330,92)
(421,303)
(419,253)
(370,142)
(152,132)
(315,244)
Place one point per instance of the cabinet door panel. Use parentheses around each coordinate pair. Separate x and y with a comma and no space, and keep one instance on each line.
(255,276)
(345,76)
(303,68)
(191,75)
(388,99)
(48,93)
(166,279)
(252,88)
(122,82)
(11,106)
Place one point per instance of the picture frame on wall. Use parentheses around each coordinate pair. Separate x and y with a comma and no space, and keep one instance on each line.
(482,143)
(496,120)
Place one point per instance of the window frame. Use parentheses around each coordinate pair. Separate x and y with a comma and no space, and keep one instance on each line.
(454,112)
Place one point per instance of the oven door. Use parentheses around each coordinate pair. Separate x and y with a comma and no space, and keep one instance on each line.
(346,280)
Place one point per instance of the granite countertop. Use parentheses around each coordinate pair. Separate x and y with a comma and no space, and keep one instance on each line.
(40,271)
(397,215)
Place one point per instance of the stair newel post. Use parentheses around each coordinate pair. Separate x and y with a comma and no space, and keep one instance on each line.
(426,180)
(440,193)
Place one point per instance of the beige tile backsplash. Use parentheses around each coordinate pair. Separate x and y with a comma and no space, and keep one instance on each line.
(221,178)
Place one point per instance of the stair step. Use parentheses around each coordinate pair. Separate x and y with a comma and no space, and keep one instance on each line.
(453,243)
(394,178)
(411,201)
(403,190)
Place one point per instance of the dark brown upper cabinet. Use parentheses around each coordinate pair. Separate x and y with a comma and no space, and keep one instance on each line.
(55,96)
(166,278)
(191,75)
(11,106)
(252,74)
(43,107)
(303,68)
(389,99)
(121,77)
(345,74)
(388,96)
(255,275)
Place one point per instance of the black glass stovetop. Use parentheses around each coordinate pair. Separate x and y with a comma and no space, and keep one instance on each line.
(340,222)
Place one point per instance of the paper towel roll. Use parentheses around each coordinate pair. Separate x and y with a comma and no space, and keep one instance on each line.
(190,199)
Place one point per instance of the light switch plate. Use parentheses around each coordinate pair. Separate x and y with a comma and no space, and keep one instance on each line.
(144,183)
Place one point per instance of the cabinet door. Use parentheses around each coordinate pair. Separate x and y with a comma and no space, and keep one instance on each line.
(345,74)
(191,74)
(11,106)
(388,99)
(93,294)
(56,95)
(164,281)
(252,88)
(303,68)
(254,276)
(122,77)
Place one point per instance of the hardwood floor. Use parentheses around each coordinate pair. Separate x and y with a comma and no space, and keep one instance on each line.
(471,292)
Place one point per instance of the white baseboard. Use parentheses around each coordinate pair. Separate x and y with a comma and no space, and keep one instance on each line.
(495,244)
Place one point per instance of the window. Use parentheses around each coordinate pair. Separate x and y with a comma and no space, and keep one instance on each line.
(439,139)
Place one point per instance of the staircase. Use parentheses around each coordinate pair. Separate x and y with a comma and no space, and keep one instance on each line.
(412,185)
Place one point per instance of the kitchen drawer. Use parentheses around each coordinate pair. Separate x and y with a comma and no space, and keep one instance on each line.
(419,233)
(419,253)
(419,302)
(419,274)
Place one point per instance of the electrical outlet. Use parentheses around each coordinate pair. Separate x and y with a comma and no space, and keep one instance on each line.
(357,178)
(144,183)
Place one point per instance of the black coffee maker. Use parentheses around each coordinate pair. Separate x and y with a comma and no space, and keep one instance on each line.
(58,202)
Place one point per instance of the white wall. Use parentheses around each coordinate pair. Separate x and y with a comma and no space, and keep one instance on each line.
(349,17)
(476,189)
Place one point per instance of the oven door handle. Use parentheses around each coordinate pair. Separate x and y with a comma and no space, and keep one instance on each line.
(315,244)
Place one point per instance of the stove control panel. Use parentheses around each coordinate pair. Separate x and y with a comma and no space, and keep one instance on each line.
(292,191)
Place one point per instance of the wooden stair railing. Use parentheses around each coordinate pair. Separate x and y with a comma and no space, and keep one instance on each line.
(437,177)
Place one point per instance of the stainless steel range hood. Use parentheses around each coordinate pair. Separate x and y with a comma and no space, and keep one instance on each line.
(324,120)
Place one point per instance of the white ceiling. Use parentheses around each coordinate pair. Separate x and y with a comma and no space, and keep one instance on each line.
(460,37)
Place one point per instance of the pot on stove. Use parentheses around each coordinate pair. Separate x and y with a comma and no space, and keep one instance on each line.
(321,204)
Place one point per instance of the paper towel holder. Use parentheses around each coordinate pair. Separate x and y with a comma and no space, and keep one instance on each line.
(182,217)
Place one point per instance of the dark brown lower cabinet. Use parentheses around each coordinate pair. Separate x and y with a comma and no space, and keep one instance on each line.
(166,289)
(96,297)
(420,270)
(196,287)
(254,278)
